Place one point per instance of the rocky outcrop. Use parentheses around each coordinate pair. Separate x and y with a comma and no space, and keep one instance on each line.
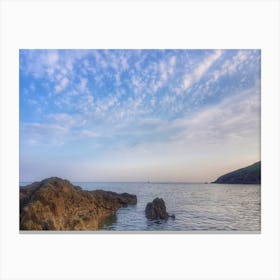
(56,204)
(247,175)
(156,210)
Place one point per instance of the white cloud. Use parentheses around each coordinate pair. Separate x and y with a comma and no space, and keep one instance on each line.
(88,134)
(206,64)
(153,102)
(85,104)
(62,85)
(172,61)
(230,66)
(188,80)
(83,85)
(199,71)
(118,79)
(232,126)
(236,118)
(66,120)
(60,129)
(52,58)
(42,133)
(138,84)
(166,70)
(124,107)
(100,61)
(124,63)
(212,140)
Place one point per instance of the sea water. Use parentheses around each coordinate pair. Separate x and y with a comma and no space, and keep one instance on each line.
(203,207)
(197,207)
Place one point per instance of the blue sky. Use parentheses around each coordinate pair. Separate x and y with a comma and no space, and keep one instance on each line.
(138,115)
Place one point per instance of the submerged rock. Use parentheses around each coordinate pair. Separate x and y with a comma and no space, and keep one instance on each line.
(56,204)
(157,210)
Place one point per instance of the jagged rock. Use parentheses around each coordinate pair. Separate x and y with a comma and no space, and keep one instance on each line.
(156,210)
(56,204)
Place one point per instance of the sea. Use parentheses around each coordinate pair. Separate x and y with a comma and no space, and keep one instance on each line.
(196,206)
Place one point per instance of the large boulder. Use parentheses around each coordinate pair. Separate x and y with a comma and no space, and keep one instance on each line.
(156,209)
(56,204)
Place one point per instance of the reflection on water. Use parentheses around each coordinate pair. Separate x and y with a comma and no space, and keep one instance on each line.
(108,222)
(196,206)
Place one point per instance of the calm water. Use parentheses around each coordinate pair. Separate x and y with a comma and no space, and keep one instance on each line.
(196,206)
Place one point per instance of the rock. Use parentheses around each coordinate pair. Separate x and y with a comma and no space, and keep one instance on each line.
(156,209)
(56,204)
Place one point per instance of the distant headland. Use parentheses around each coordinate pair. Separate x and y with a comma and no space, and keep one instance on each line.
(247,175)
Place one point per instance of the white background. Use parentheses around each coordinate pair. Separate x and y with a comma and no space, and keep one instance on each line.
(131,24)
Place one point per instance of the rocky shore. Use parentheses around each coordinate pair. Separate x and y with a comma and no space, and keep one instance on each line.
(56,204)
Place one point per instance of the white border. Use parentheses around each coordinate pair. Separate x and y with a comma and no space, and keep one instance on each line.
(153,24)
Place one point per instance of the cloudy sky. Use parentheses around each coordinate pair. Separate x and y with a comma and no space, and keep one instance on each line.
(138,115)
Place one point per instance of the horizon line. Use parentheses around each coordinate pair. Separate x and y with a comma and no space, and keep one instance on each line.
(150,182)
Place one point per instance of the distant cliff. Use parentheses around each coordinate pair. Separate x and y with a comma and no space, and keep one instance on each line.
(247,175)
(56,204)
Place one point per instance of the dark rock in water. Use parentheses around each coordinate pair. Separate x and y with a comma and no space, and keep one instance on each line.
(56,204)
(172,216)
(247,175)
(156,209)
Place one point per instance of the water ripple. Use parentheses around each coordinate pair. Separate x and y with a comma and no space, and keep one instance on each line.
(196,206)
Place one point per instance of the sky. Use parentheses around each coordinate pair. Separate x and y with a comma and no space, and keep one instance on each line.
(138,115)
